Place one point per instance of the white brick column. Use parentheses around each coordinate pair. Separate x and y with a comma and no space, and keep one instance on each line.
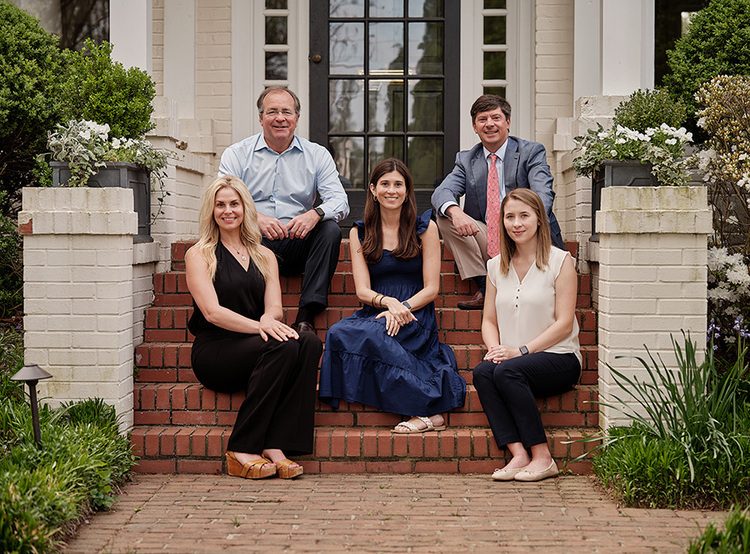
(78,293)
(652,279)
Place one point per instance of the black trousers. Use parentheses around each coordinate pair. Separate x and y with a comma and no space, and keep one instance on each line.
(279,380)
(315,256)
(507,391)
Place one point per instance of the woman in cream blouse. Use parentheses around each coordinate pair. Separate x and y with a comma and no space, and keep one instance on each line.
(530,331)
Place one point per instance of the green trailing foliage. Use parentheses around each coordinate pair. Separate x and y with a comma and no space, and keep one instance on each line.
(689,443)
(646,109)
(717,43)
(735,537)
(44,493)
(31,65)
(102,90)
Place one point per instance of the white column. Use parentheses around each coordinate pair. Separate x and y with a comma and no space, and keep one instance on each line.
(179,55)
(627,46)
(614,47)
(652,281)
(78,293)
(130,27)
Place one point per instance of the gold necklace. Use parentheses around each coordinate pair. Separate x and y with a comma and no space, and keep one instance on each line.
(242,256)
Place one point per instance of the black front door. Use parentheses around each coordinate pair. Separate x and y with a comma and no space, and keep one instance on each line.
(384,83)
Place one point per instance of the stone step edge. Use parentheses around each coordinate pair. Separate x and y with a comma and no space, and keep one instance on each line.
(175,449)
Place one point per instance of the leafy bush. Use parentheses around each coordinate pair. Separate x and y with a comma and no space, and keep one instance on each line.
(102,90)
(11,267)
(717,42)
(734,538)
(43,493)
(689,444)
(30,84)
(649,109)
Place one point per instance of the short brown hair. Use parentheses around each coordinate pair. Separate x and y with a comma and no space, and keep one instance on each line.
(276,88)
(489,102)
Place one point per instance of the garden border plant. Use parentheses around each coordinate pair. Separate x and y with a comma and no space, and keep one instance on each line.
(689,442)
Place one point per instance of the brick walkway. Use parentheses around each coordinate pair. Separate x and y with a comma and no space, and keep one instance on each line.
(379,513)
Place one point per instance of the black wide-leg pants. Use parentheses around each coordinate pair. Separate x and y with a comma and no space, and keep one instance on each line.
(279,380)
(315,256)
(507,392)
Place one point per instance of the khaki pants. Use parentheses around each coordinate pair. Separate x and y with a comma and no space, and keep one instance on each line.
(469,252)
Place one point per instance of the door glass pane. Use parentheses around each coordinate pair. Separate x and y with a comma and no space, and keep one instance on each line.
(425,8)
(386,105)
(276,66)
(347,48)
(346,8)
(386,8)
(494,4)
(276,4)
(425,48)
(494,30)
(384,147)
(386,48)
(276,32)
(494,65)
(426,161)
(349,155)
(426,105)
(347,100)
(499,91)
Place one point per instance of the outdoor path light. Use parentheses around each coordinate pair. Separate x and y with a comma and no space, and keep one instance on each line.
(31,375)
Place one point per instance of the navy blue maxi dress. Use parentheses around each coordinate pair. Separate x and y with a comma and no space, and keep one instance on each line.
(410,374)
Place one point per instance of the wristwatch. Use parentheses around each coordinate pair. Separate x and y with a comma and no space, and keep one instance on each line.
(523,350)
(405,303)
(320,212)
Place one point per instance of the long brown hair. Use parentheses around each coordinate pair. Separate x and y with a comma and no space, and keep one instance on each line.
(249,232)
(543,237)
(408,244)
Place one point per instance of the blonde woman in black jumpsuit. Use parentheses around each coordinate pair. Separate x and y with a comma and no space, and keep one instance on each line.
(241,342)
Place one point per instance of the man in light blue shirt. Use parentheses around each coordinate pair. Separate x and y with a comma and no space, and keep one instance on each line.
(287,175)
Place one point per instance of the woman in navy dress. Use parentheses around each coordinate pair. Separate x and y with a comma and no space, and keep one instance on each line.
(387,354)
(241,342)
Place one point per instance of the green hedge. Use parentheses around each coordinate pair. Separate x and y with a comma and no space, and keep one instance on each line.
(44,493)
(717,43)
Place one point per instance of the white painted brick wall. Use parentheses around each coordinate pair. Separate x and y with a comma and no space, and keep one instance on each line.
(652,279)
(78,293)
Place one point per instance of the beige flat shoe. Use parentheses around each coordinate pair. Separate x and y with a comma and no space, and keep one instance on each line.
(531,476)
(505,474)
(409,428)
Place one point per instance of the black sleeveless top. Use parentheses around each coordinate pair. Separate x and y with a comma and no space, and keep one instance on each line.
(238,290)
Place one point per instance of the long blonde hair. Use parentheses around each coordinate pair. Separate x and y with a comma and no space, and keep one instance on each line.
(250,235)
(543,237)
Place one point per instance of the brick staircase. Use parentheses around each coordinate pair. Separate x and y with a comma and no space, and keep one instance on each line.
(182,427)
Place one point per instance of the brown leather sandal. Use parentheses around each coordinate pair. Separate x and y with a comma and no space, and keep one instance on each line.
(254,469)
(287,469)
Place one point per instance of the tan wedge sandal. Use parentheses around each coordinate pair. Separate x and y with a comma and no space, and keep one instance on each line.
(254,469)
(287,469)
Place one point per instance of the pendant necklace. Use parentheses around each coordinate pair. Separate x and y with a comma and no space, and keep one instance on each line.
(242,256)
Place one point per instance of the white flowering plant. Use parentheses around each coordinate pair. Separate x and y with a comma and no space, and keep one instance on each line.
(661,147)
(86,147)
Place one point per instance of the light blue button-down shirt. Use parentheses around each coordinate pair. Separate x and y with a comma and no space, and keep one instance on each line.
(287,184)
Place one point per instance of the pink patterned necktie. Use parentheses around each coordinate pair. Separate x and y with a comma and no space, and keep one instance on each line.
(492,215)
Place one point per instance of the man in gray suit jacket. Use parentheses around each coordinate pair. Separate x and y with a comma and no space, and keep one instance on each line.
(521,163)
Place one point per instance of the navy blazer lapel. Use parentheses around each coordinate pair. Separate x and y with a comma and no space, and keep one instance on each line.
(510,164)
(479,172)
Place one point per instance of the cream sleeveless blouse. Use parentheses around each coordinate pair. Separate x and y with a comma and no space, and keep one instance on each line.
(526,308)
